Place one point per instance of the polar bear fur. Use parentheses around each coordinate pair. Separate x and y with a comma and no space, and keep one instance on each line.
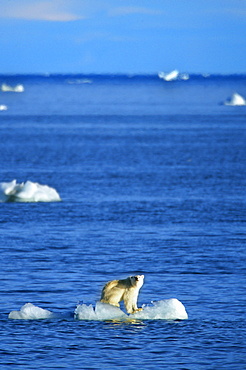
(125,290)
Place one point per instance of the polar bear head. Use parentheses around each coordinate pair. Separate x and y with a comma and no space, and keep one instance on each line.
(137,280)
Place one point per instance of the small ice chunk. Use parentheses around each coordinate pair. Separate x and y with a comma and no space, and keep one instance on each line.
(17,88)
(27,192)
(235,100)
(30,312)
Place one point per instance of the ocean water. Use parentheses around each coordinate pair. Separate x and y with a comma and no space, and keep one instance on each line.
(152,180)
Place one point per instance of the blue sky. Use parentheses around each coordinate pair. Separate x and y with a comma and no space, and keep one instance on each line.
(122,36)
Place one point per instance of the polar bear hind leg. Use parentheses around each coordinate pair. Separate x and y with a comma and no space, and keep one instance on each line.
(111,294)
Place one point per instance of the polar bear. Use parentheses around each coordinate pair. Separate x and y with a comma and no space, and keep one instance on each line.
(123,290)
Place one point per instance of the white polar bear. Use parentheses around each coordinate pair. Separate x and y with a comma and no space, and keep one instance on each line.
(123,290)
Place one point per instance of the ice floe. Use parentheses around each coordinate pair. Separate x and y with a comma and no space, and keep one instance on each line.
(167,309)
(173,75)
(30,312)
(3,107)
(27,192)
(235,99)
(79,81)
(102,311)
(184,76)
(7,88)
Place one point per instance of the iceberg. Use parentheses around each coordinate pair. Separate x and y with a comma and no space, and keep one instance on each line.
(171,76)
(184,76)
(30,312)
(235,100)
(17,88)
(27,192)
(167,309)
(3,107)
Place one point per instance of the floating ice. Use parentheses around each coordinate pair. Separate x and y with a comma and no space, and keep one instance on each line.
(102,311)
(17,88)
(30,312)
(184,76)
(27,192)
(236,99)
(167,309)
(79,81)
(3,107)
(171,76)
(174,75)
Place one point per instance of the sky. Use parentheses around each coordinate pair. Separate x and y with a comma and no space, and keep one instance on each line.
(122,36)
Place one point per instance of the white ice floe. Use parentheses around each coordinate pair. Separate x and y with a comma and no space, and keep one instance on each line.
(171,76)
(17,88)
(27,192)
(3,107)
(236,99)
(102,311)
(30,312)
(80,81)
(184,76)
(167,309)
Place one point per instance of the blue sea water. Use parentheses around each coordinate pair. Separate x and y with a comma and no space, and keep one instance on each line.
(152,176)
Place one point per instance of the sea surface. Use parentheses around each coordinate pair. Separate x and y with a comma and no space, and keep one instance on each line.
(152,177)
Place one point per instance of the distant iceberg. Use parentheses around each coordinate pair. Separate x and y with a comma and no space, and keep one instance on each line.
(27,192)
(173,75)
(184,76)
(17,88)
(3,107)
(80,81)
(236,99)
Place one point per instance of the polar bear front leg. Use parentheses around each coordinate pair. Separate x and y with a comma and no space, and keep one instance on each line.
(133,309)
(130,302)
(138,309)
